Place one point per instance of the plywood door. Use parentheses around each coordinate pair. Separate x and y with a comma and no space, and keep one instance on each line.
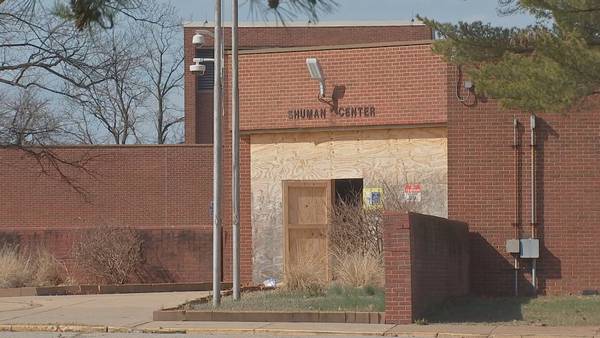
(306,219)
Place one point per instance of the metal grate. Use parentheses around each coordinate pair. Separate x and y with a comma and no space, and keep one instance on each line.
(207,80)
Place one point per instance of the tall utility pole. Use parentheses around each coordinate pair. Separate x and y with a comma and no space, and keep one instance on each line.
(235,150)
(217,159)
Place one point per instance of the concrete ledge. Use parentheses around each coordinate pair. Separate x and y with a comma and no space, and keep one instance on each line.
(18,292)
(270,316)
(182,313)
(87,289)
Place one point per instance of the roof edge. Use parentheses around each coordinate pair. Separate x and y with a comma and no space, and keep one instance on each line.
(334,47)
(201,24)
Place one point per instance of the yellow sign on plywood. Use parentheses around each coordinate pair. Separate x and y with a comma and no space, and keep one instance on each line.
(373,198)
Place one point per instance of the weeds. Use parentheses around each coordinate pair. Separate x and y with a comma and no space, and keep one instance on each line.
(359,269)
(17,268)
(111,254)
(20,268)
(306,275)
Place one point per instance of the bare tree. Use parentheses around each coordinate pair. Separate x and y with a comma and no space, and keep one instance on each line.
(26,120)
(163,66)
(117,102)
(40,50)
(144,74)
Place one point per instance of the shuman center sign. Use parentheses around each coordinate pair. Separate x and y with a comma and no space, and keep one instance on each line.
(340,112)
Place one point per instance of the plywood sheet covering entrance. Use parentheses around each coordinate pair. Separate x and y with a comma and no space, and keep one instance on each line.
(306,208)
(396,156)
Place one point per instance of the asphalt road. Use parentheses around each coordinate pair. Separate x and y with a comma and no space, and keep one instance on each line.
(140,335)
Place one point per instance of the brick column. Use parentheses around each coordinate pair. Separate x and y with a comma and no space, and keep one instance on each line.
(397,255)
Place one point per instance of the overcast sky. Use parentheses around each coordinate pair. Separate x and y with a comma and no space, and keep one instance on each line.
(373,10)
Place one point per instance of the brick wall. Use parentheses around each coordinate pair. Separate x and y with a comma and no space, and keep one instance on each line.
(398,273)
(175,254)
(406,84)
(481,192)
(141,186)
(165,191)
(317,35)
(198,104)
(440,260)
(426,261)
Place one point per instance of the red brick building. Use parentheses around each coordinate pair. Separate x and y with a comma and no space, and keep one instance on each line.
(488,183)
(458,162)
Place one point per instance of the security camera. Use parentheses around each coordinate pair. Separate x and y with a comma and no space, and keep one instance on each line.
(198,68)
(198,40)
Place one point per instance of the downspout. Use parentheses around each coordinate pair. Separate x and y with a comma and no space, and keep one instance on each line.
(516,224)
(533,197)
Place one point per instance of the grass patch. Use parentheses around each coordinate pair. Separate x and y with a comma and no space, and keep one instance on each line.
(551,311)
(20,268)
(334,299)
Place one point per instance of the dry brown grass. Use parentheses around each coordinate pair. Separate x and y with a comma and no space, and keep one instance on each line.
(356,244)
(307,275)
(49,271)
(16,269)
(19,268)
(356,236)
(359,269)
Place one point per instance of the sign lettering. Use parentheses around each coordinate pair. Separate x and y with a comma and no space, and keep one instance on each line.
(340,112)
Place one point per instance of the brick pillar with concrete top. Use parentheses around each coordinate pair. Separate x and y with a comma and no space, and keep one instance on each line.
(398,283)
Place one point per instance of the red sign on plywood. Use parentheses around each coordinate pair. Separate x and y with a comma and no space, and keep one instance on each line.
(412,192)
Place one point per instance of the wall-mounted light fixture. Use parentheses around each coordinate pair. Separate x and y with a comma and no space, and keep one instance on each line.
(316,73)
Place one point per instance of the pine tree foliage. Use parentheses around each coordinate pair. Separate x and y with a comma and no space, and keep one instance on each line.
(86,13)
(100,12)
(285,10)
(551,66)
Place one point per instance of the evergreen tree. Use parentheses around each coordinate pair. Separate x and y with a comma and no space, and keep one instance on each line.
(550,66)
(86,13)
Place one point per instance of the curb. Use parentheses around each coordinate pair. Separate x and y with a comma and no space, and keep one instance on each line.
(100,289)
(346,317)
(263,330)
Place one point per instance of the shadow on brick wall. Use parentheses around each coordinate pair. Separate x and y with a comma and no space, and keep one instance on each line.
(9,239)
(493,268)
(549,266)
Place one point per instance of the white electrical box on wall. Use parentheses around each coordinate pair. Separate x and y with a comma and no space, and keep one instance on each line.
(513,246)
(530,248)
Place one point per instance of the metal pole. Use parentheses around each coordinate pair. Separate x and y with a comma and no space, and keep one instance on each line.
(533,198)
(516,225)
(533,182)
(235,150)
(217,160)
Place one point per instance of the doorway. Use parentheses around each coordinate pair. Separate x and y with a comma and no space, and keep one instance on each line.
(306,206)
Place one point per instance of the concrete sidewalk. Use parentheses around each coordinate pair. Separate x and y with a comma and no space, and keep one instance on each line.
(284,329)
(120,310)
(133,313)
